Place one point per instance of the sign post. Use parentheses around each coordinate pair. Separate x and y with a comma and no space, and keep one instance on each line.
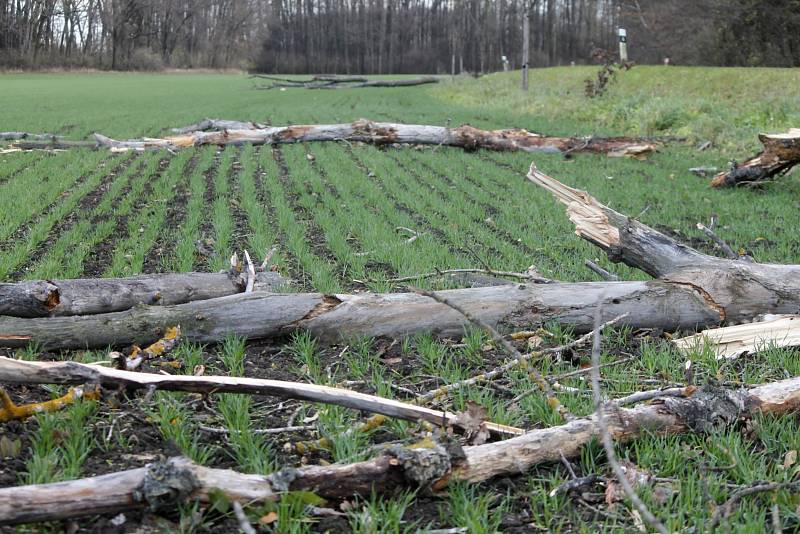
(623,45)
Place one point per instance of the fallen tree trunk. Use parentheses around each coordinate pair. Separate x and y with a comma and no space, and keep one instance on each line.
(25,372)
(781,153)
(333,318)
(338,84)
(383,133)
(397,469)
(693,291)
(49,298)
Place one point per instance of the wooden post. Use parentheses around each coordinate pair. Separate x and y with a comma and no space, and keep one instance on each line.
(526,37)
(623,45)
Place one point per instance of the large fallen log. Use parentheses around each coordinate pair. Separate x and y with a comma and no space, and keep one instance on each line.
(161,485)
(781,153)
(694,290)
(25,372)
(48,298)
(377,133)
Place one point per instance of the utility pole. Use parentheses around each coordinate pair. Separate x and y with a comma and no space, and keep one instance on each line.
(623,45)
(526,37)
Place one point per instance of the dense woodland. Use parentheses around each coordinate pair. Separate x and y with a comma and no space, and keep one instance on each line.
(389,36)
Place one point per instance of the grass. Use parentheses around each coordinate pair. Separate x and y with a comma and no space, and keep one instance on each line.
(334,212)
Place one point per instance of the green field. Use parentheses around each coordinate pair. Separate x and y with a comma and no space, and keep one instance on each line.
(332,210)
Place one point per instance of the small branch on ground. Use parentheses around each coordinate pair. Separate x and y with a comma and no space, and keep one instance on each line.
(709,232)
(606,275)
(608,443)
(538,379)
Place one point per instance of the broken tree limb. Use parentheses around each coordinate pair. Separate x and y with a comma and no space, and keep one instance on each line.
(218,124)
(383,133)
(86,296)
(25,372)
(398,468)
(733,341)
(409,82)
(781,153)
(16,136)
(737,290)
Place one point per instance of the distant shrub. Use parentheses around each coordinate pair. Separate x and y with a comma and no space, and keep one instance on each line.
(144,59)
(609,68)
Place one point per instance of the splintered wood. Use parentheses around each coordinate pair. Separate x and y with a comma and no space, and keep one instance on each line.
(733,341)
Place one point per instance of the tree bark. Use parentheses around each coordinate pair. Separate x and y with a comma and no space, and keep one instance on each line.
(49,298)
(398,468)
(781,153)
(218,124)
(24,372)
(383,133)
(693,291)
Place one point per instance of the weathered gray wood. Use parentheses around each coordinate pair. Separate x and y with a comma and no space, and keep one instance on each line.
(653,304)
(43,298)
(737,290)
(15,136)
(398,468)
(218,124)
(25,372)
(382,133)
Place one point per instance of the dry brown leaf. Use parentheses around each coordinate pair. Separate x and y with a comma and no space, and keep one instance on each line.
(473,421)
(268,519)
(789,459)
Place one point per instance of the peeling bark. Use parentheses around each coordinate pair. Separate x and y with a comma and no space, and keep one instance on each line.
(46,298)
(781,153)
(398,468)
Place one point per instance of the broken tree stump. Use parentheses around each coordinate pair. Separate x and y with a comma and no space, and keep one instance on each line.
(87,296)
(397,469)
(781,153)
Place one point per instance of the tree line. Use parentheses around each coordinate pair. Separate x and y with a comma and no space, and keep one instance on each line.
(389,36)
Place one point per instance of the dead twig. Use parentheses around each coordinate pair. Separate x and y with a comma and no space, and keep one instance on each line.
(608,443)
(538,379)
(241,517)
(607,275)
(709,232)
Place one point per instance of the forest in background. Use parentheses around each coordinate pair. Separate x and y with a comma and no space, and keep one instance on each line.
(389,36)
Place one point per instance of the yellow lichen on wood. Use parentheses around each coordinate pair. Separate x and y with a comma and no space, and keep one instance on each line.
(10,411)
